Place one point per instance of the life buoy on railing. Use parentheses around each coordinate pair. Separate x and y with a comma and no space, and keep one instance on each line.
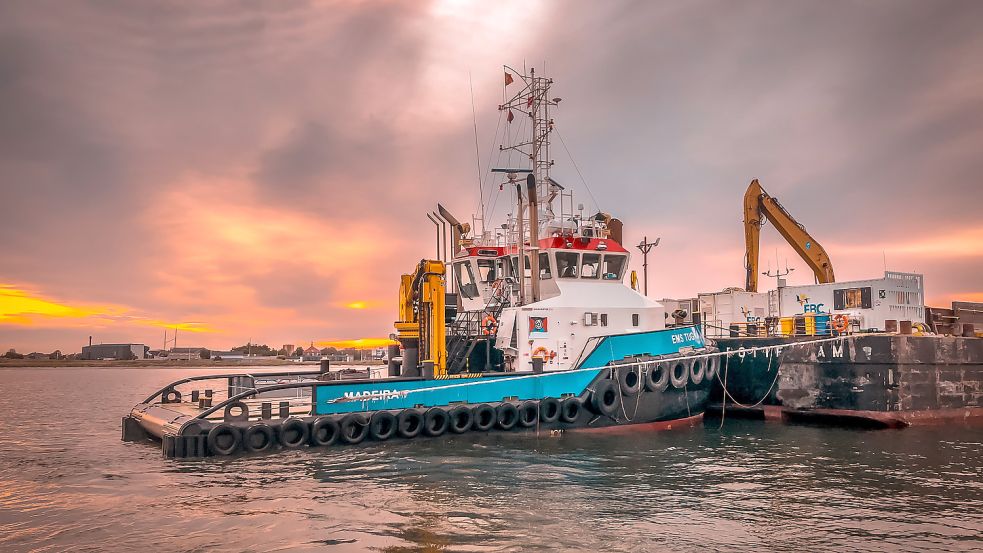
(841,323)
(489,324)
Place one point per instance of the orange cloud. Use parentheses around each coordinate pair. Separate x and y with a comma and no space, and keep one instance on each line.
(23,307)
(361,343)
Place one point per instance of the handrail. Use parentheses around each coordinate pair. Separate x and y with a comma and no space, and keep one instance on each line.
(253,391)
(217,376)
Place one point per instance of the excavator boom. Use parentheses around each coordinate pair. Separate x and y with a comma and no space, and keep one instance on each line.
(759,206)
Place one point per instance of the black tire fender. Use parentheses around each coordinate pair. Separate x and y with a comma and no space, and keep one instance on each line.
(630,380)
(409,423)
(224,439)
(354,428)
(324,431)
(293,432)
(435,421)
(570,409)
(382,425)
(549,409)
(461,418)
(697,370)
(606,397)
(506,416)
(679,374)
(657,377)
(484,417)
(528,414)
(258,437)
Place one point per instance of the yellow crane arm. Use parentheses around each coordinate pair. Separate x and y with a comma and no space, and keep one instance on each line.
(759,206)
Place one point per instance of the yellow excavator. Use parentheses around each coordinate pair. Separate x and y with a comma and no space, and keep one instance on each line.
(759,207)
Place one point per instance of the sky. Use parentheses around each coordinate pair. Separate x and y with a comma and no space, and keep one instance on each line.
(250,171)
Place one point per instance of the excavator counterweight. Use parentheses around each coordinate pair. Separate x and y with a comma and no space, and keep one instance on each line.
(758,207)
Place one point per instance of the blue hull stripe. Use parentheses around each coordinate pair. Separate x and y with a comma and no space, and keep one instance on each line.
(496,388)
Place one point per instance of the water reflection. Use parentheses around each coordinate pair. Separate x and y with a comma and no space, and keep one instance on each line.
(747,486)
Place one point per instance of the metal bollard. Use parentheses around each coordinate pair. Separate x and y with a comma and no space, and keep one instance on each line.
(284,409)
(194,396)
(266,410)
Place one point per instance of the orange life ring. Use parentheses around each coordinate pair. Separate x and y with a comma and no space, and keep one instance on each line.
(489,324)
(841,323)
(541,352)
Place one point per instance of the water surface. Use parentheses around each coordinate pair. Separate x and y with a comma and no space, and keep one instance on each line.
(68,482)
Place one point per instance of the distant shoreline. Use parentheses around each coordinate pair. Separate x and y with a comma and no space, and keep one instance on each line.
(175,364)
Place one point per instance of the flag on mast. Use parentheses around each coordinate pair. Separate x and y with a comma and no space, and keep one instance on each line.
(508,78)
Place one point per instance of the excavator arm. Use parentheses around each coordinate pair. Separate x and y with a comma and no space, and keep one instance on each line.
(759,206)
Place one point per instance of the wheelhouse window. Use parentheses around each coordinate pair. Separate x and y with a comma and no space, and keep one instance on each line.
(544,266)
(465,279)
(566,264)
(486,270)
(852,298)
(590,265)
(514,261)
(614,267)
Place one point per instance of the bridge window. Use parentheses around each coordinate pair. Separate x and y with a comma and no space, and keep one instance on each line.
(544,266)
(614,267)
(486,270)
(590,265)
(465,279)
(852,298)
(566,264)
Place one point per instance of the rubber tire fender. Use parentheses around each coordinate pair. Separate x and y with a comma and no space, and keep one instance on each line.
(657,377)
(435,421)
(409,423)
(506,416)
(215,434)
(354,428)
(697,370)
(293,432)
(528,414)
(679,374)
(712,363)
(484,417)
(324,431)
(605,398)
(630,380)
(461,419)
(570,409)
(260,429)
(549,409)
(382,425)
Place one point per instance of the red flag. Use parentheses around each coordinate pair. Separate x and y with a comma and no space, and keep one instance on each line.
(508,78)
(529,101)
(510,117)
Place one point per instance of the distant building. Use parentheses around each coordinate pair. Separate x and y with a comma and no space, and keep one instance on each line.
(115,351)
(188,353)
(35,355)
(226,355)
(289,349)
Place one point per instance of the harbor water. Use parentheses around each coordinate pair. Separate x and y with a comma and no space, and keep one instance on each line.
(67,482)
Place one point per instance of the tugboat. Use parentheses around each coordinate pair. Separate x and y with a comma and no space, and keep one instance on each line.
(525,326)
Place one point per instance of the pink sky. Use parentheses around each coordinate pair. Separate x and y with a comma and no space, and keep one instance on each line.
(250,171)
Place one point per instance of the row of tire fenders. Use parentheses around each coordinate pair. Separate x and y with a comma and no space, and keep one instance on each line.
(604,398)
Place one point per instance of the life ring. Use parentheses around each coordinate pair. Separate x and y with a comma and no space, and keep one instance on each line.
(257,438)
(841,323)
(541,352)
(294,433)
(489,324)
(460,419)
(382,425)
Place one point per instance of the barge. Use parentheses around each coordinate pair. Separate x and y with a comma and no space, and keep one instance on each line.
(527,325)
